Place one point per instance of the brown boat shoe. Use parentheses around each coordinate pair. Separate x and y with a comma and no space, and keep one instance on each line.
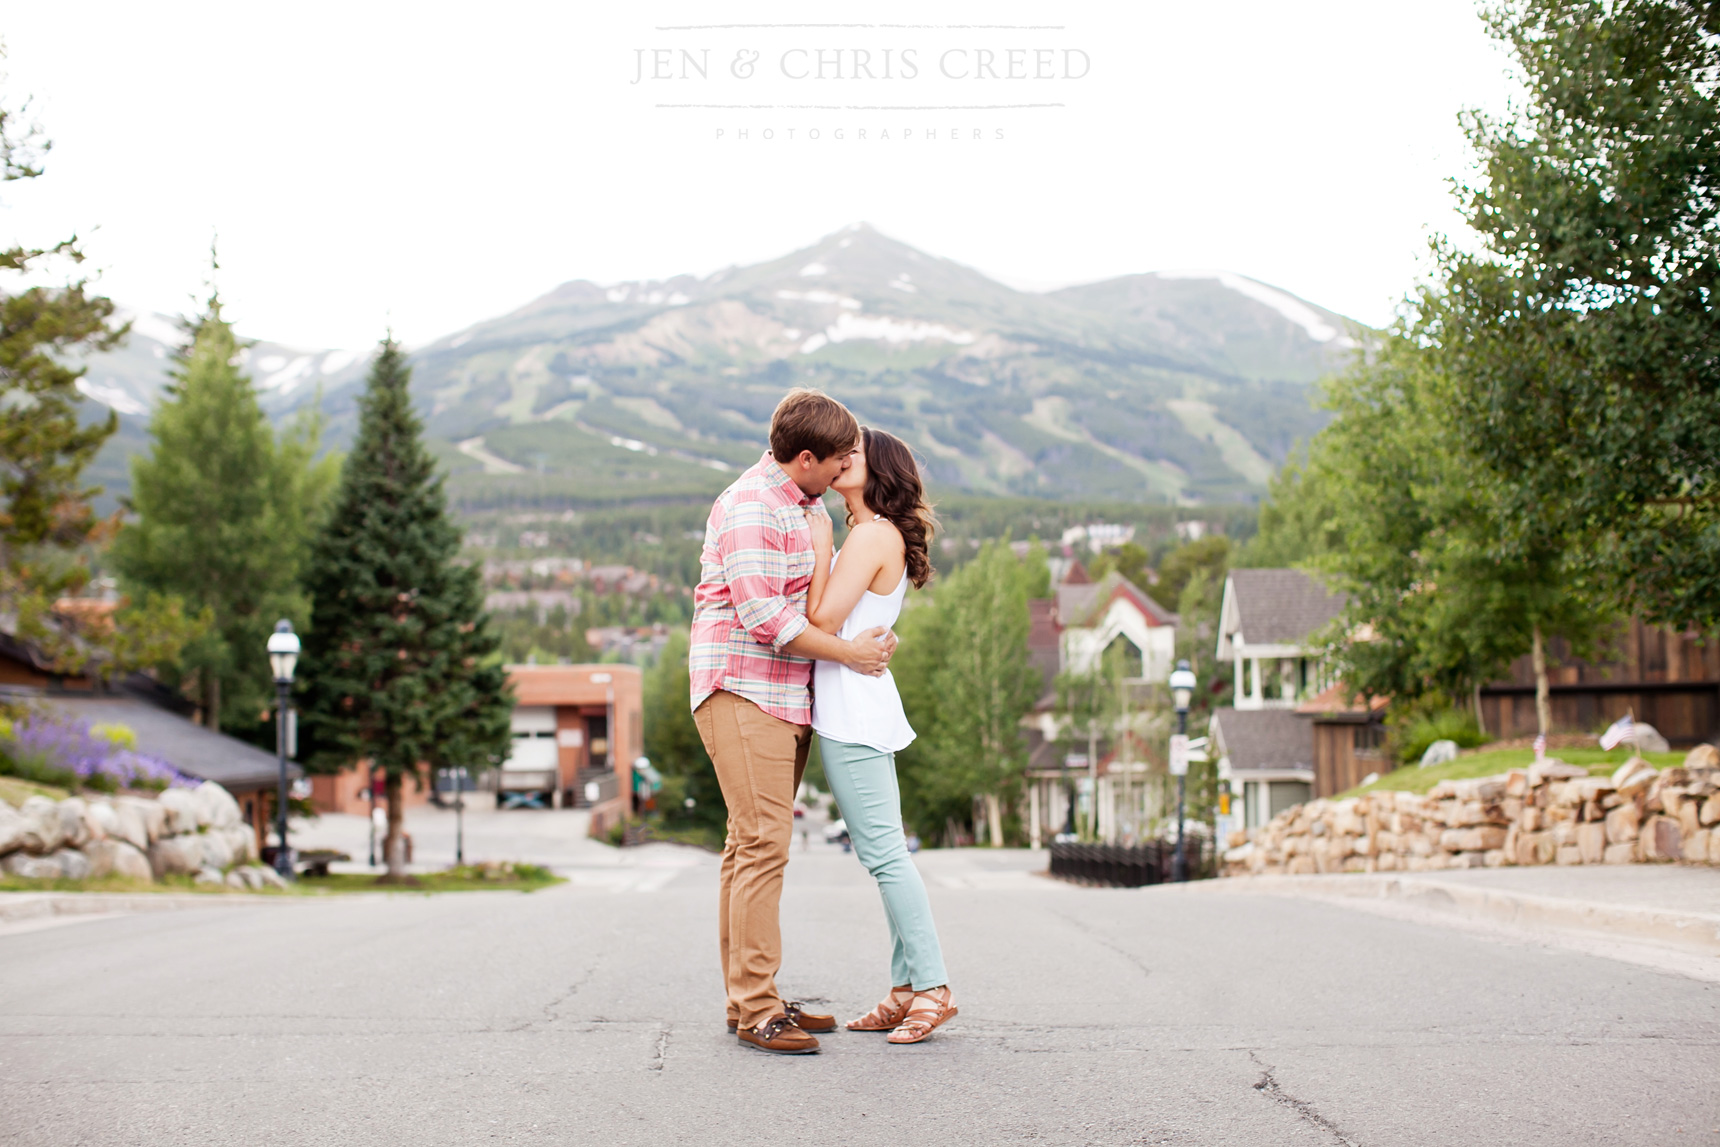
(779,1036)
(801,1018)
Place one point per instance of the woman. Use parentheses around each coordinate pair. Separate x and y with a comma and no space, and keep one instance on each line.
(859,719)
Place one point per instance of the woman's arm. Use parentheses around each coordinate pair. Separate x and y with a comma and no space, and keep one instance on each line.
(868,549)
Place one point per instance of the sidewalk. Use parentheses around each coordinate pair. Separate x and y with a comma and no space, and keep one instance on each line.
(1662,915)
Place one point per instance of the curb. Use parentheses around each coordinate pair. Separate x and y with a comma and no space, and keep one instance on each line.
(16,906)
(1697,933)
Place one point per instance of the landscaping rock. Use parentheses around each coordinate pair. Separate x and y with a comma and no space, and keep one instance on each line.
(235,881)
(149,814)
(1702,757)
(243,842)
(217,852)
(210,876)
(74,865)
(216,806)
(1620,853)
(103,820)
(1568,854)
(176,856)
(182,807)
(270,878)
(115,857)
(1662,839)
(42,831)
(129,825)
(1623,823)
(1634,776)
(1592,842)
(32,867)
(1710,811)
(1439,753)
(1696,846)
(74,827)
(13,827)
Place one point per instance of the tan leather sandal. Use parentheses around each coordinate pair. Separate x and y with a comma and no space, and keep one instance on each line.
(922,1021)
(887,1015)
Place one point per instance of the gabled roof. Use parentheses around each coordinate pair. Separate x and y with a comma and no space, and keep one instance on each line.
(1081,604)
(1263,739)
(1274,607)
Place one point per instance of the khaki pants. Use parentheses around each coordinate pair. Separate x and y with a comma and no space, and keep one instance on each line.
(759,759)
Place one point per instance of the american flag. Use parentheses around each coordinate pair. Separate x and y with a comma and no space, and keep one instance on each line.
(1623,729)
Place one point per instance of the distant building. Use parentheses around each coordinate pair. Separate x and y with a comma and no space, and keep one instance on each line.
(576,731)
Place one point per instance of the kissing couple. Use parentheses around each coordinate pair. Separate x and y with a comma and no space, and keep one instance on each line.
(790,638)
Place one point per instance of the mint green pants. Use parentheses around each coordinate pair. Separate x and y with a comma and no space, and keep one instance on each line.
(863,781)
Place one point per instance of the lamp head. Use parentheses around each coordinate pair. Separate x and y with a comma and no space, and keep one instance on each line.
(283,651)
(1182,686)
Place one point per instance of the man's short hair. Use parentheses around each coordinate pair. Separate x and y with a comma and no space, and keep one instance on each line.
(809,419)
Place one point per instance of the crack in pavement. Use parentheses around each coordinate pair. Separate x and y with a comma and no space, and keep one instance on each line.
(660,1051)
(1304,1110)
(1103,941)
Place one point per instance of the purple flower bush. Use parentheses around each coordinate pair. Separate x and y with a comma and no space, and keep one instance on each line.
(67,751)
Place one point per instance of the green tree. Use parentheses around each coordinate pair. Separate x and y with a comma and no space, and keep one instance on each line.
(1296,521)
(673,744)
(400,666)
(964,663)
(48,531)
(1579,346)
(1444,587)
(224,516)
(1209,555)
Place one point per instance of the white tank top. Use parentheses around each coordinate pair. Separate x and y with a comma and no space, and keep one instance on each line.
(852,707)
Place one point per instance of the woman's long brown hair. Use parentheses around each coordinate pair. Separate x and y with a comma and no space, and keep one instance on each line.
(893,489)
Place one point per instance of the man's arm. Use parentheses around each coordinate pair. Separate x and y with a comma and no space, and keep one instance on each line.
(867,653)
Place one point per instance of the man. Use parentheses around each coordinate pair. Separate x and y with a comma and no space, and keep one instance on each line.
(751,668)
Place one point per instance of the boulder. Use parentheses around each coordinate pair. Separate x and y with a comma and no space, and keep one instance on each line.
(1439,753)
(74,865)
(1702,757)
(176,856)
(1710,812)
(270,878)
(1554,770)
(211,876)
(13,826)
(1714,848)
(1623,824)
(1689,818)
(1647,739)
(182,807)
(1624,853)
(1662,839)
(1696,846)
(243,841)
(235,881)
(103,820)
(119,858)
(217,851)
(32,867)
(1568,854)
(1592,842)
(1633,777)
(129,825)
(74,827)
(216,806)
(42,830)
(150,813)
(1472,839)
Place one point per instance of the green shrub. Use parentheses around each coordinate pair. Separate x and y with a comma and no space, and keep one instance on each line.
(1411,739)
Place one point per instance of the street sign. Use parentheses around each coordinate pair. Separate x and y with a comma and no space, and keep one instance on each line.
(1179,754)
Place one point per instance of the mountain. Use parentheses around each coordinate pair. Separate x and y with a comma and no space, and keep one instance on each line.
(1179,386)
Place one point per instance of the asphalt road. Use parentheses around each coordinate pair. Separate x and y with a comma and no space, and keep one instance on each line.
(592,1013)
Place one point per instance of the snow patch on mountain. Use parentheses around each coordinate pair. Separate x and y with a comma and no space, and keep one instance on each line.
(1290,307)
(110,396)
(812,270)
(820,297)
(884,329)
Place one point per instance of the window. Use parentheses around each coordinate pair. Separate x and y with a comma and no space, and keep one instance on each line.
(1286,794)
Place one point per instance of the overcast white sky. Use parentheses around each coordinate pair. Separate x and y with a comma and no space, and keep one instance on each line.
(430,165)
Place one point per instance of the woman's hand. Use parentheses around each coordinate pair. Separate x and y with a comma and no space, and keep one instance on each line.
(819,523)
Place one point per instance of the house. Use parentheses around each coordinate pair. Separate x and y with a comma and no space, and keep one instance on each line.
(1266,628)
(1291,732)
(1071,632)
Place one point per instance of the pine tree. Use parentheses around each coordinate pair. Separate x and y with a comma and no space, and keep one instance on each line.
(224,517)
(400,667)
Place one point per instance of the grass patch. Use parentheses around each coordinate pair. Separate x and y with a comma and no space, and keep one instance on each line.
(16,790)
(465,878)
(1411,779)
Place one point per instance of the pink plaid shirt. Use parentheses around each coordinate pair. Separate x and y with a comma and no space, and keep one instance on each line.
(754,571)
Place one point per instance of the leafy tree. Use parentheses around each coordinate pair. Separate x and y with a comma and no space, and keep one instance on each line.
(1130,559)
(965,665)
(400,666)
(224,516)
(1210,555)
(1296,525)
(1444,589)
(47,528)
(1580,345)
(673,744)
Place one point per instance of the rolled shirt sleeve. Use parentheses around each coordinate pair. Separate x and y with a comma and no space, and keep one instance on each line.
(753,548)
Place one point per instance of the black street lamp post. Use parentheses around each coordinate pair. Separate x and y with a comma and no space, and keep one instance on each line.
(1182,690)
(283,655)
